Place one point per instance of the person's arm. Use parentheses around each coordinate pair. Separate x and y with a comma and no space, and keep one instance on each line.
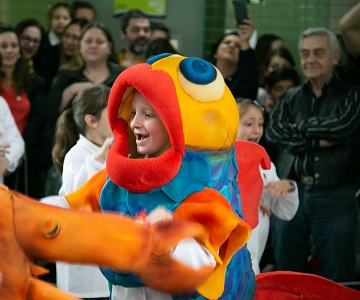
(247,69)
(350,30)
(53,100)
(12,136)
(282,132)
(332,129)
(70,92)
(281,196)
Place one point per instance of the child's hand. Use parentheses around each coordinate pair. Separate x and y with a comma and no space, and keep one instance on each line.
(269,105)
(158,214)
(3,165)
(104,150)
(279,189)
(264,208)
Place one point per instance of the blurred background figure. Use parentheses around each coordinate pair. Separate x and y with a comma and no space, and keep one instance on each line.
(83,10)
(96,45)
(135,32)
(265,44)
(275,59)
(31,34)
(70,58)
(349,25)
(24,93)
(159,31)
(59,16)
(82,142)
(11,142)
(236,61)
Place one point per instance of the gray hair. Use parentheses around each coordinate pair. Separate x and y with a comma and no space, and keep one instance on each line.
(321,31)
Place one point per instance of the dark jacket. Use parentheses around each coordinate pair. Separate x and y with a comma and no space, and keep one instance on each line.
(300,120)
(245,82)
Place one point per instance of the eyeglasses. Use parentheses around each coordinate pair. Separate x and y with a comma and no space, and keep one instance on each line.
(28,40)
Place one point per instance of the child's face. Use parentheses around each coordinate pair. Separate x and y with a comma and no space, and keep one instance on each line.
(280,88)
(60,18)
(151,136)
(251,125)
(103,124)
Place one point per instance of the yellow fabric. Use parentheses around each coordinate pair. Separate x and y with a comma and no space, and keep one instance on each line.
(206,125)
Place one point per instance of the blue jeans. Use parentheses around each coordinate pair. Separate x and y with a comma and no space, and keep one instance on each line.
(329,214)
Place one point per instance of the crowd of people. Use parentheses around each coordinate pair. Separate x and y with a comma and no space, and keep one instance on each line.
(52,139)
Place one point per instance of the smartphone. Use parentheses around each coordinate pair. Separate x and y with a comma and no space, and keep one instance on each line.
(240,10)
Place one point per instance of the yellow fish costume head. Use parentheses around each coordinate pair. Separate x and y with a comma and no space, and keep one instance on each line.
(191,98)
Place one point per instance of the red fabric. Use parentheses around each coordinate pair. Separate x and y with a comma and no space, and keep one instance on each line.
(144,175)
(284,285)
(18,104)
(249,157)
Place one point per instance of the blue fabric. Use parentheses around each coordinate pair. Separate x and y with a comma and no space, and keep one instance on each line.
(217,170)
(329,214)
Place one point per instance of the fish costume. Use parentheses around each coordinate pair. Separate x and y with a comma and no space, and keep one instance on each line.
(197,179)
(201,117)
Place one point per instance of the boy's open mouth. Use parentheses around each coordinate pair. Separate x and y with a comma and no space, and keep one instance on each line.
(140,137)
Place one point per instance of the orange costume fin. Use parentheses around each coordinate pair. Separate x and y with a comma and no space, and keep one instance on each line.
(227,233)
(87,197)
(249,157)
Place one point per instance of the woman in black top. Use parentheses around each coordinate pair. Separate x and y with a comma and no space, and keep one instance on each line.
(236,61)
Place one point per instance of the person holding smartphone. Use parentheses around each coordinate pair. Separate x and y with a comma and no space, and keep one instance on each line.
(236,60)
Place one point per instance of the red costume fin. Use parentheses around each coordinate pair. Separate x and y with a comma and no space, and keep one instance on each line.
(249,157)
(285,285)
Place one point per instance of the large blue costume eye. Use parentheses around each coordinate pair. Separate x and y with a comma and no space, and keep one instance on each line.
(197,70)
(201,80)
(155,58)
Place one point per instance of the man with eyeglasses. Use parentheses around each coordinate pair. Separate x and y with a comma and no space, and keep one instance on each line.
(135,32)
(316,128)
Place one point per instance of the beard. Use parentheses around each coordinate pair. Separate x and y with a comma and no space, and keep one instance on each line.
(137,48)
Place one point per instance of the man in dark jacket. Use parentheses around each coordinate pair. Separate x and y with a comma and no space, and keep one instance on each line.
(316,129)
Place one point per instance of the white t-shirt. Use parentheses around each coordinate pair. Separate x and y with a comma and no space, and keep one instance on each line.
(82,281)
(283,208)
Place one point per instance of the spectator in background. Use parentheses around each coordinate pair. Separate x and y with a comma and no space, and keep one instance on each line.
(59,16)
(316,129)
(31,33)
(159,31)
(277,83)
(279,197)
(350,33)
(276,59)
(264,45)
(236,61)
(25,94)
(83,10)
(159,46)
(11,142)
(14,77)
(95,47)
(70,58)
(135,32)
(82,142)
